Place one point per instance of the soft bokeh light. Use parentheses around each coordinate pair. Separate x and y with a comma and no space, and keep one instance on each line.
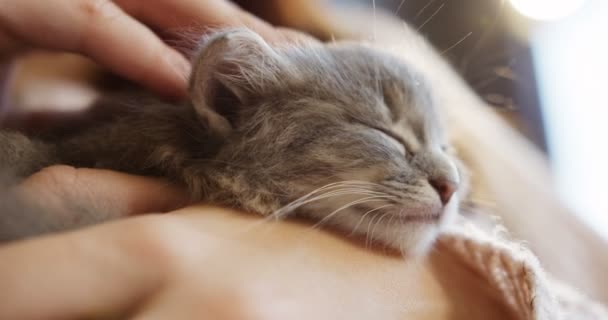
(572,65)
(547,9)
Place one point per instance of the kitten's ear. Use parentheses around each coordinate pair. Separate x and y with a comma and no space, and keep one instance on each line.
(233,68)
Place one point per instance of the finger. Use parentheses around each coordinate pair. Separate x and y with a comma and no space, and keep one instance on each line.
(94,273)
(101,30)
(60,198)
(187,14)
(111,194)
(127,47)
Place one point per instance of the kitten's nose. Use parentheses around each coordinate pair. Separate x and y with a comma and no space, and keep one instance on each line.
(444,187)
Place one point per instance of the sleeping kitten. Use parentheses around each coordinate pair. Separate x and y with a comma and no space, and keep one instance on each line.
(342,133)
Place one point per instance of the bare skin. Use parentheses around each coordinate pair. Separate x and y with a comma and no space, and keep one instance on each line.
(96,28)
(211,263)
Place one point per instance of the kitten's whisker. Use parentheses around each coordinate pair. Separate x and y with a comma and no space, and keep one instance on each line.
(342,184)
(457,43)
(346,192)
(365,214)
(485,35)
(360,182)
(286,209)
(327,186)
(423,9)
(359,201)
(378,223)
(334,189)
(431,17)
(331,192)
(395,230)
(339,183)
(399,7)
(338,187)
(368,241)
(384,243)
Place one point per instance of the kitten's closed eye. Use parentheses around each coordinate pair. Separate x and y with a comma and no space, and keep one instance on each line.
(393,140)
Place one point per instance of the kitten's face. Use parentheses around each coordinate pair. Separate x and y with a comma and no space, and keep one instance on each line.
(342,133)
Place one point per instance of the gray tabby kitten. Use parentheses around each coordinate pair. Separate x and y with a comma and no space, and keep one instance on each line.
(341,133)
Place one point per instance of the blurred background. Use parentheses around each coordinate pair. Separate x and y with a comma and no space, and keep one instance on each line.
(542,64)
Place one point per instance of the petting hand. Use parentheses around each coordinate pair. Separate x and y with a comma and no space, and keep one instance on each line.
(210,263)
(207,263)
(61,197)
(118,34)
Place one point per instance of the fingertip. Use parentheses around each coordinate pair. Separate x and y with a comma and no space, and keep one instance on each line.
(177,69)
(138,55)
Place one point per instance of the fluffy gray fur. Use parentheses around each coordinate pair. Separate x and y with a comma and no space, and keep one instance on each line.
(341,133)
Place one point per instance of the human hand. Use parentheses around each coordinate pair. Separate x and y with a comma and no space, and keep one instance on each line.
(210,263)
(118,34)
(61,197)
(191,265)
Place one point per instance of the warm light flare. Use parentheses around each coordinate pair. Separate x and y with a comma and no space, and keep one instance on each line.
(547,9)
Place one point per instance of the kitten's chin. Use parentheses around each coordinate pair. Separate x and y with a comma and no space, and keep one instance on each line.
(412,235)
(411,232)
(422,237)
(411,240)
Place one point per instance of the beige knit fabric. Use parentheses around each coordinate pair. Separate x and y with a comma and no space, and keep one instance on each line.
(515,274)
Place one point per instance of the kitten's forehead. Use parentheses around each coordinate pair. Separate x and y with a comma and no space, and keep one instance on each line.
(378,81)
(366,84)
